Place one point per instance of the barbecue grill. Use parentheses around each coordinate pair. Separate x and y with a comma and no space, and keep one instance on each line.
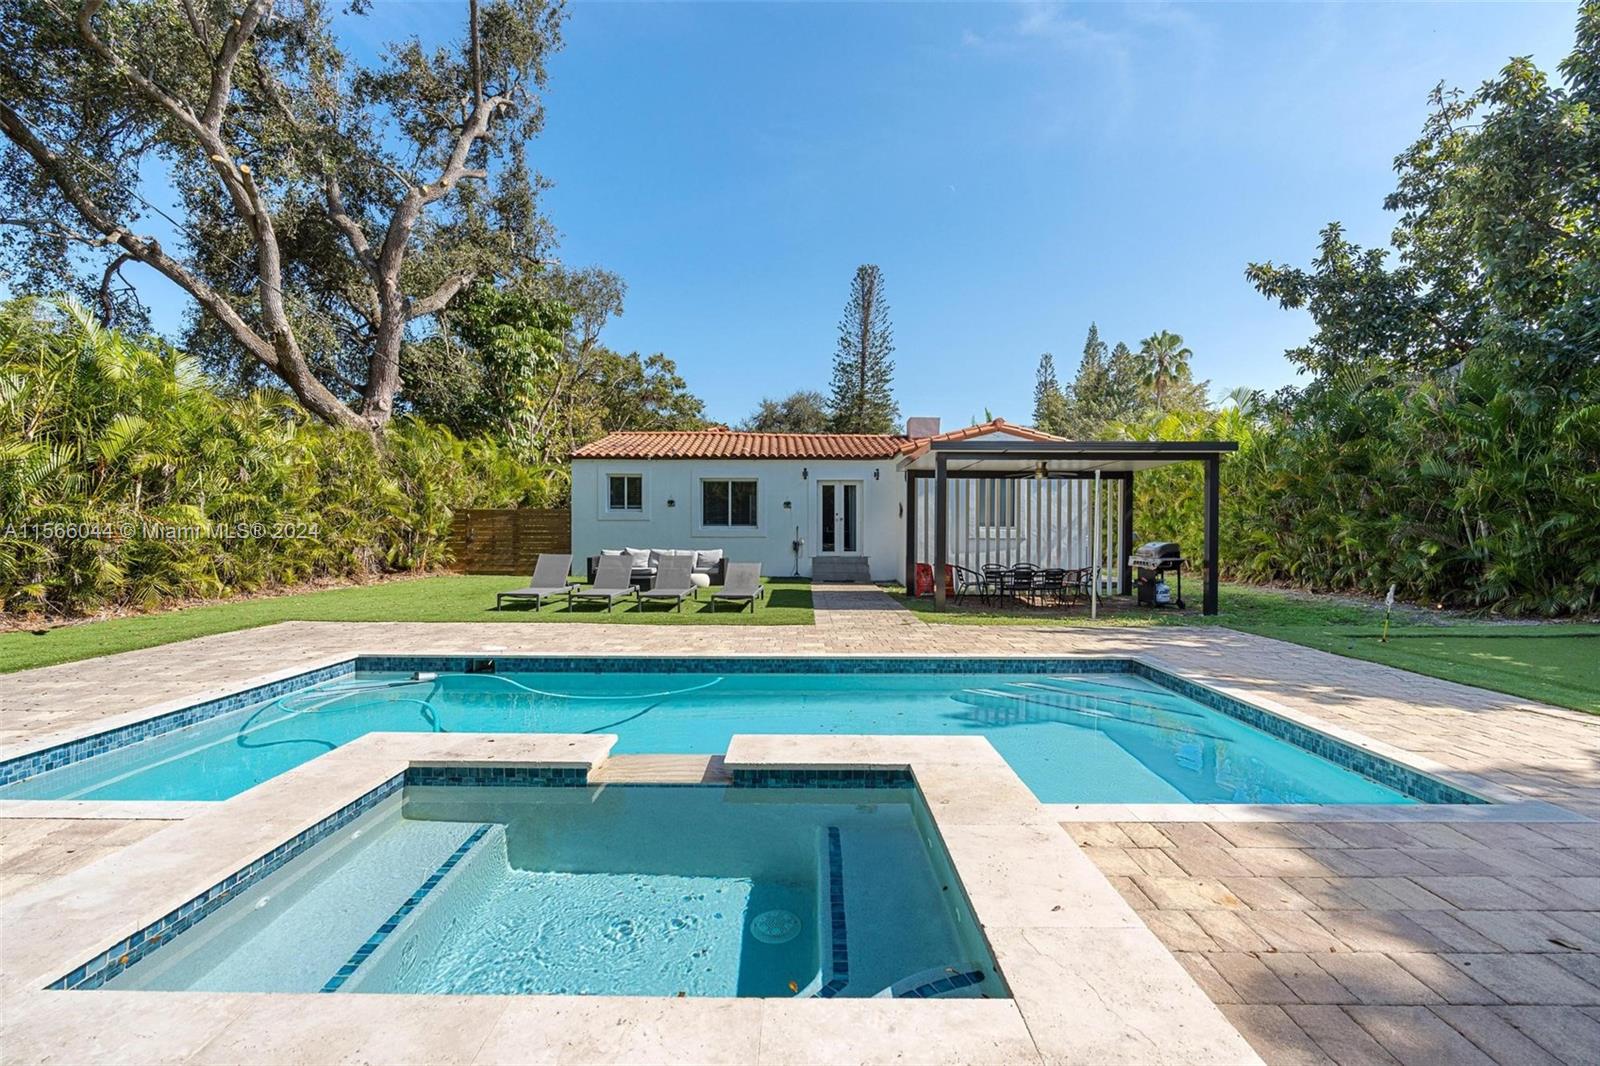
(1151,560)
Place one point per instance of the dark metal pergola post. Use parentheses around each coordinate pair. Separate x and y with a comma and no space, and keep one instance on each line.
(1213,478)
(1126,581)
(941,532)
(911,533)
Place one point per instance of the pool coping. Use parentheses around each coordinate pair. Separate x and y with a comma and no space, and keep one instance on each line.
(1089,981)
(1509,806)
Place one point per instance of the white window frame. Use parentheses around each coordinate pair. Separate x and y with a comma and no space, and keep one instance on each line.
(611,505)
(702,529)
(623,514)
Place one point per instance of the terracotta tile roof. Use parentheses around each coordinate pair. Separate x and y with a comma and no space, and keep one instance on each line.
(723,443)
(919,445)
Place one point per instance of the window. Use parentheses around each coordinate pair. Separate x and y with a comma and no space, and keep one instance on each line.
(997,504)
(728,503)
(627,492)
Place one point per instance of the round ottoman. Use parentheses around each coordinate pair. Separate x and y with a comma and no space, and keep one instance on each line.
(701,581)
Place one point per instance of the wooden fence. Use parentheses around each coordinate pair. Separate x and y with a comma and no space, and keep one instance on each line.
(508,541)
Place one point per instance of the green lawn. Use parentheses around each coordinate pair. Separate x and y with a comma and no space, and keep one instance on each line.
(1554,663)
(1551,662)
(448,598)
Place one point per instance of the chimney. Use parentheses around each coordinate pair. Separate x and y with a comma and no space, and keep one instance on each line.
(922,427)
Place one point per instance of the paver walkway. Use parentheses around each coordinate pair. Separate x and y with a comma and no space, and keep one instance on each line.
(1350,942)
(1354,942)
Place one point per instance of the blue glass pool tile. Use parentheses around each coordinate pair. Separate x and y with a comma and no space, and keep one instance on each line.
(1392,775)
(948,983)
(839,950)
(543,776)
(140,943)
(822,778)
(1386,772)
(53,758)
(373,942)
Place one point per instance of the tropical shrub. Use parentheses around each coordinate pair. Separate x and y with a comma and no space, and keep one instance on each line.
(1448,441)
(127,480)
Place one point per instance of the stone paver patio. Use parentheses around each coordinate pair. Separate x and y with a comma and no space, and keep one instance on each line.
(1330,940)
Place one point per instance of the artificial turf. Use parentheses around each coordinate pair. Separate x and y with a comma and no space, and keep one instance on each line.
(444,598)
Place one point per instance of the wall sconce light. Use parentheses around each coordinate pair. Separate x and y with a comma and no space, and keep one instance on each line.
(787,505)
(805,472)
(672,503)
(874,473)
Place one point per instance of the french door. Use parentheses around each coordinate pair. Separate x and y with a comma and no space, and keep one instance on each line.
(841,517)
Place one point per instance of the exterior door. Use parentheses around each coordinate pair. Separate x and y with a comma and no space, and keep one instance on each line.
(841,517)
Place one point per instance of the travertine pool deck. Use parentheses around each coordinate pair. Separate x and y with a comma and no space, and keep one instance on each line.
(1361,936)
(1089,981)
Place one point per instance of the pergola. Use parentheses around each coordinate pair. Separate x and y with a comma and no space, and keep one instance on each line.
(1043,462)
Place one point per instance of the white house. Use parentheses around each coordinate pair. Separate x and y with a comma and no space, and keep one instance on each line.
(825,505)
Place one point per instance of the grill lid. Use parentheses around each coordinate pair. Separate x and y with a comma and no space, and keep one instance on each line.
(1159,549)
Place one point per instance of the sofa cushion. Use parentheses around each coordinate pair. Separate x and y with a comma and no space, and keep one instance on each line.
(708,559)
(641,558)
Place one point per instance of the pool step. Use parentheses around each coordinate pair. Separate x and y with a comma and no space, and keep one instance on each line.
(395,921)
(662,769)
(891,946)
(301,924)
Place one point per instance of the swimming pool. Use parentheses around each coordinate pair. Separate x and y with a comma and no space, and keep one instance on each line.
(639,890)
(1076,731)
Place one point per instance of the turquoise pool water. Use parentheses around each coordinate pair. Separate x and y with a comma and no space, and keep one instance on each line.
(1107,737)
(623,890)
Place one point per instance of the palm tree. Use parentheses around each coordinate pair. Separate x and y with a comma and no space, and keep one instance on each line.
(1247,401)
(1166,362)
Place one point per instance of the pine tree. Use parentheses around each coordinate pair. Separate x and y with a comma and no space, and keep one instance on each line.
(1124,393)
(1050,405)
(1089,387)
(863,373)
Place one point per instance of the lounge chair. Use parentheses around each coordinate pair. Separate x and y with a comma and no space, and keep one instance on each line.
(673,582)
(743,583)
(610,583)
(552,577)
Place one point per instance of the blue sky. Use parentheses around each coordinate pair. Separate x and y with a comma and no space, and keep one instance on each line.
(1016,170)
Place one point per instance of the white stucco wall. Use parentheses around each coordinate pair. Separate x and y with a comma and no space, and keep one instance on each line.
(882,527)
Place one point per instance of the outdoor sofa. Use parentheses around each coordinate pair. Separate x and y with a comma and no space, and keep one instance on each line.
(709,565)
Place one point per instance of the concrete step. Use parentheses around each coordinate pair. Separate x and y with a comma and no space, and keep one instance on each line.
(840,568)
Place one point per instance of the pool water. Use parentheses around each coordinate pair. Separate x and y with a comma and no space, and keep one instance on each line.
(1107,737)
(619,890)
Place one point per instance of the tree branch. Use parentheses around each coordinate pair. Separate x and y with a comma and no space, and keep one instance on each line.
(312,393)
(384,379)
(144,250)
(439,298)
(107,307)
(242,29)
(340,215)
